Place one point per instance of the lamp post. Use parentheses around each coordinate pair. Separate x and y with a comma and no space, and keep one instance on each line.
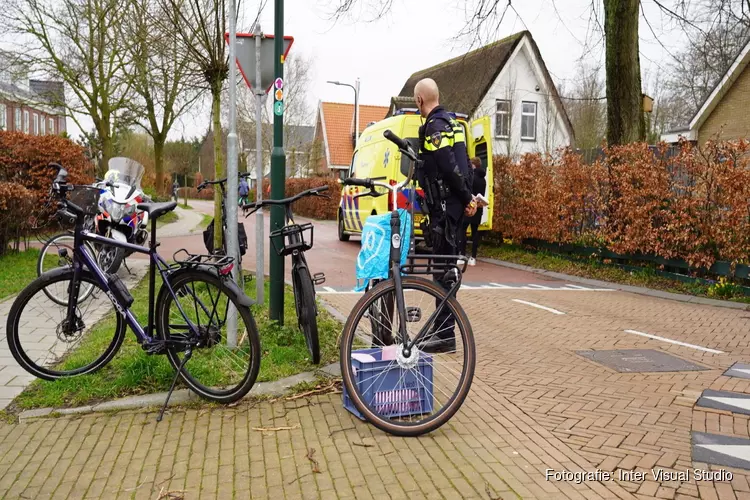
(354,87)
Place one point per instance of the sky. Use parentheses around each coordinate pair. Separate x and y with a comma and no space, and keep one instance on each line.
(417,34)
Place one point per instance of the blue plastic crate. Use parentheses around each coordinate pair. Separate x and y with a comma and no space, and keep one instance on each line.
(395,396)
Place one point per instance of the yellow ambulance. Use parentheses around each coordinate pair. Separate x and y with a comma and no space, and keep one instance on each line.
(378,158)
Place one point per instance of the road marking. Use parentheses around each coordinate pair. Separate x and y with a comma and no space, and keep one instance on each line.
(742,403)
(576,287)
(553,311)
(733,450)
(329,289)
(677,342)
(540,287)
(498,285)
(483,286)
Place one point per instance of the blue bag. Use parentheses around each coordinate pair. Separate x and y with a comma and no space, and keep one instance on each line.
(372,261)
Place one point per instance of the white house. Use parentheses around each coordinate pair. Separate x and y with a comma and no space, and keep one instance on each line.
(508,81)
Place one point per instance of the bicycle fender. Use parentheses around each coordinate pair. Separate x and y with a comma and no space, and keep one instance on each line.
(241,297)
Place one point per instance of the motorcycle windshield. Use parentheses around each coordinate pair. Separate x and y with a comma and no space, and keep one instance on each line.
(125,171)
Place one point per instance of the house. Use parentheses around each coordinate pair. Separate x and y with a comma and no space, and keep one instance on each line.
(723,114)
(508,81)
(297,145)
(31,106)
(334,135)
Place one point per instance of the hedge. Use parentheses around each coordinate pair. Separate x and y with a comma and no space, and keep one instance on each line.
(26,179)
(691,206)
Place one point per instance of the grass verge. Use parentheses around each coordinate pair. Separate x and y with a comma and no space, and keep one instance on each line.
(167,218)
(205,221)
(185,206)
(131,372)
(594,269)
(17,269)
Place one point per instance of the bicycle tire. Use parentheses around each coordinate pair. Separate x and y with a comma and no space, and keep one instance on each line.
(56,242)
(353,326)
(13,326)
(179,282)
(304,300)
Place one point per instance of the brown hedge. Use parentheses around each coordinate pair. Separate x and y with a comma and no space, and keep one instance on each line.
(691,206)
(27,178)
(313,207)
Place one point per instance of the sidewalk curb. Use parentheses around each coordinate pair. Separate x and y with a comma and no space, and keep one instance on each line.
(179,397)
(623,288)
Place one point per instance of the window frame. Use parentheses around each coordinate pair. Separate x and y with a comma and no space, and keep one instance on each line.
(26,121)
(18,121)
(51,122)
(499,113)
(35,121)
(42,125)
(524,115)
(3,116)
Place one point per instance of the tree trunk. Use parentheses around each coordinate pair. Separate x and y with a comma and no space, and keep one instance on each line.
(218,163)
(107,151)
(159,164)
(625,121)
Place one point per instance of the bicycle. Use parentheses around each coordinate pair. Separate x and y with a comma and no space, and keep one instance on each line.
(185,319)
(406,357)
(295,239)
(208,233)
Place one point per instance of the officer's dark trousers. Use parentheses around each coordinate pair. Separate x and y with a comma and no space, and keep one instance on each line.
(444,323)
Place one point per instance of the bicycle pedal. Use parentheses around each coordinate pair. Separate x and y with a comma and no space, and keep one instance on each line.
(413,314)
(319,278)
(154,348)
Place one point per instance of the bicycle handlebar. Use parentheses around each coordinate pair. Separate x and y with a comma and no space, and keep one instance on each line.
(223,181)
(253,207)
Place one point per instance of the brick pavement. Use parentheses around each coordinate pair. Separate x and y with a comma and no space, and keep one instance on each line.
(534,405)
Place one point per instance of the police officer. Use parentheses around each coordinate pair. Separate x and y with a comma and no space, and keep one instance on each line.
(443,177)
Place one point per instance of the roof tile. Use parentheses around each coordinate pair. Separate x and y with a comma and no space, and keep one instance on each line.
(338,119)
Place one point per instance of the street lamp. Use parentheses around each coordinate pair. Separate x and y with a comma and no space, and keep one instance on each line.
(354,87)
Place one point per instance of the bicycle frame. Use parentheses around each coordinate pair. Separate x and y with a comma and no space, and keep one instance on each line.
(81,257)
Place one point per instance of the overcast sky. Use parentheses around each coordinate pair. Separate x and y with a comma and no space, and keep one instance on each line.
(420,33)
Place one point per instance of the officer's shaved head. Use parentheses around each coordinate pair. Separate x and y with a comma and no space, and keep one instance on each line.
(426,95)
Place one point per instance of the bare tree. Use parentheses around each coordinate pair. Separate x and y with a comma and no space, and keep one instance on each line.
(586,109)
(162,77)
(199,27)
(79,42)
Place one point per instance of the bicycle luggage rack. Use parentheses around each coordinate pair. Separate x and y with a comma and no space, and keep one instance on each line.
(425,264)
(222,263)
(292,238)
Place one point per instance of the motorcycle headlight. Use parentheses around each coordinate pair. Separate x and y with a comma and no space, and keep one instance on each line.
(116,211)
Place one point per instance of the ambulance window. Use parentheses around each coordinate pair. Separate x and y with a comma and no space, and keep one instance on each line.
(405,161)
(351,167)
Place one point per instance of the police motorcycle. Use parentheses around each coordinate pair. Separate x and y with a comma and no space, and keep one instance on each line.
(119,217)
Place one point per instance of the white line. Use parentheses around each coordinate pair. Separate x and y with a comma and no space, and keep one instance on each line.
(540,287)
(329,289)
(334,292)
(553,311)
(677,342)
(577,287)
(498,285)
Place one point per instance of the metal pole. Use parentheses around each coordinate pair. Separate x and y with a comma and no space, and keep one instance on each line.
(356,114)
(278,170)
(259,241)
(231,195)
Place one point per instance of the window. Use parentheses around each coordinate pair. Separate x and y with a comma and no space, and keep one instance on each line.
(3,117)
(51,126)
(42,126)
(36,124)
(528,121)
(18,119)
(25,122)
(502,119)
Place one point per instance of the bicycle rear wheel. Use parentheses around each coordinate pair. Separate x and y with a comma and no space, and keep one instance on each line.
(50,258)
(415,394)
(217,370)
(307,315)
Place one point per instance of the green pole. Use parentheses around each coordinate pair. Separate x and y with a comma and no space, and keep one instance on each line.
(278,170)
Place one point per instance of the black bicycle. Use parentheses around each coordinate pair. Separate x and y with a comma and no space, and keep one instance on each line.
(187,319)
(208,233)
(407,348)
(295,239)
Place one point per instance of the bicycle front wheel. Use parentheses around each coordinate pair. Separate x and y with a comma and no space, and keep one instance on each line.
(307,316)
(50,258)
(408,395)
(220,369)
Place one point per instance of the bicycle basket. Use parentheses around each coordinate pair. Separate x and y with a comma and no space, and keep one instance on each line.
(86,198)
(292,238)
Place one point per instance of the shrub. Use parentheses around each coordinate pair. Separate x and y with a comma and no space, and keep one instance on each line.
(314,207)
(27,178)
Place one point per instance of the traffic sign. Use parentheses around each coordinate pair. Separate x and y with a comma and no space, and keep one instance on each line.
(279,95)
(246,59)
(279,83)
(278,108)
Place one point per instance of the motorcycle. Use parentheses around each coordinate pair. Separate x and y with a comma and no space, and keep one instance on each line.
(119,217)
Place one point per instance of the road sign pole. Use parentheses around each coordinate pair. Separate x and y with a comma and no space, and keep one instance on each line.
(231,195)
(278,168)
(259,240)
